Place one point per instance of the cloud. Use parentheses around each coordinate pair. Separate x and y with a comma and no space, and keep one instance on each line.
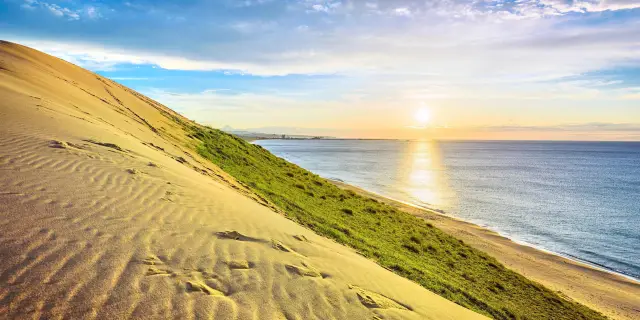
(249,27)
(322,6)
(130,78)
(402,12)
(93,12)
(629,93)
(319,7)
(569,6)
(71,14)
(581,127)
(98,58)
(219,107)
(483,49)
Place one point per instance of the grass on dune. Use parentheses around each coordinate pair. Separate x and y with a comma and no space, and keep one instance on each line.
(409,246)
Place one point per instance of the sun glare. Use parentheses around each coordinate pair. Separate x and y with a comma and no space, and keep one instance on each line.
(423,116)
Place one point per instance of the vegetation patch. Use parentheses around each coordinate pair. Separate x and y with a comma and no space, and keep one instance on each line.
(407,245)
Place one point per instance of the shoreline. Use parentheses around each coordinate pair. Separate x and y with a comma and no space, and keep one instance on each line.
(614,294)
(479,225)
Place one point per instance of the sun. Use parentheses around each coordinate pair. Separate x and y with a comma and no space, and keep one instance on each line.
(423,116)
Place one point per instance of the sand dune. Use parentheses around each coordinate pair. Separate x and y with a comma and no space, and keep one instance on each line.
(105,215)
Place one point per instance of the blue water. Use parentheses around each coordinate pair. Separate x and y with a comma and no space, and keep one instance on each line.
(578,199)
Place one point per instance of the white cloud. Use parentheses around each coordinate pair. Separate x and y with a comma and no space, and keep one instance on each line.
(29,5)
(433,55)
(584,127)
(93,12)
(90,12)
(323,6)
(219,107)
(60,11)
(567,6)
(319,7)
(103,59)
(249,27)
(130,78)
(402,12)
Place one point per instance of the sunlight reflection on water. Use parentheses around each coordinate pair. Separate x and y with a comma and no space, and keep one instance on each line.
(424,178)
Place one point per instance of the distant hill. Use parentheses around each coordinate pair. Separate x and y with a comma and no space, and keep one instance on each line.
(252,135)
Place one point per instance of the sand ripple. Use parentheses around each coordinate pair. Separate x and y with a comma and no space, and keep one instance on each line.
(90,230)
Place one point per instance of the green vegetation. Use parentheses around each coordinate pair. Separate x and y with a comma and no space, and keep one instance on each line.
(396,240)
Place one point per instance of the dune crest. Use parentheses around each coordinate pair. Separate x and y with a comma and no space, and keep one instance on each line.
(105,214)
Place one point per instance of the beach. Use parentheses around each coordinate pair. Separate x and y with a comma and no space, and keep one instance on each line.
(115,206)
(614,295)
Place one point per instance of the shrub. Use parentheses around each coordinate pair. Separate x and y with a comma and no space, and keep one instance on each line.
(370,210)
(347,211)
(411,248)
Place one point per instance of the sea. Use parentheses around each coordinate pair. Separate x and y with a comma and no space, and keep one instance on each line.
(580,200)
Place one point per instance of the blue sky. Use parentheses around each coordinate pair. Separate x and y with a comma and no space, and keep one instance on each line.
(483,69)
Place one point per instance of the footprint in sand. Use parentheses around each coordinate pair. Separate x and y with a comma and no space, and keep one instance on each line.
(194,280)
(152,261)
(239,264)
(59,144)
(304,271)
(64,145)
(153,271)
(198,286)
(300,237)
(235,235)
(375,300)
(107,145)
(282,247)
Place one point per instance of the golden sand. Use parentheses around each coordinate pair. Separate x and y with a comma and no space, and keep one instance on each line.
(104,214)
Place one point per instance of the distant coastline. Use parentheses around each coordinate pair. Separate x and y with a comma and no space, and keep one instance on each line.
(443,213)
(342,184)
(251,138)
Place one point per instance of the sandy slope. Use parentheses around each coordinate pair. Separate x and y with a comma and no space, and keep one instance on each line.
(615,296)
(104,215)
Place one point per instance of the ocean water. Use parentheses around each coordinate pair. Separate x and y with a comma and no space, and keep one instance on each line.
(578,199)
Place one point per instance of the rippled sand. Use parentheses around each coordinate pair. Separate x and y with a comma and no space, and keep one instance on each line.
(105,214)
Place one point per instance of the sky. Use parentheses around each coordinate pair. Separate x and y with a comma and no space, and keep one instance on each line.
(442,69)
